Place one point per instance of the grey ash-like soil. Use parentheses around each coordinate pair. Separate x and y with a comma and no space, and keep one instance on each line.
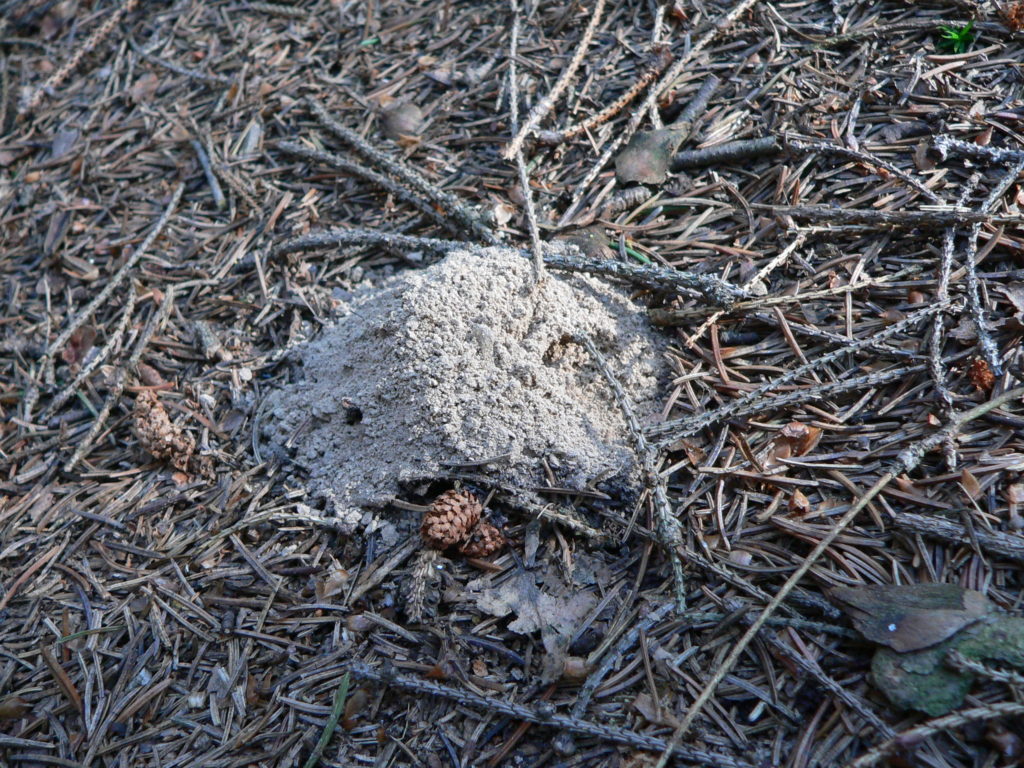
(467,360)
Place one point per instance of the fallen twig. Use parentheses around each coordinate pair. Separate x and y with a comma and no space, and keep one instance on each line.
(384,182)
(541,108)
(98,36)
(666,81)
(728,152)
(1007,545)
(713,288)
(466,219)
(648,459)
(545,715)
(117,386)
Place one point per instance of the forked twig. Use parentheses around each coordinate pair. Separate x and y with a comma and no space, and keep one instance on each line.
(666,81)
(32,395)
(541,109)
(466,219)
(112,343)
(988,346)
(606,114)
(117,387)
(934,727)
(767,269)
(647,456)
(385,182)
(345,236)
(524,176)
(713,288)
(754,400)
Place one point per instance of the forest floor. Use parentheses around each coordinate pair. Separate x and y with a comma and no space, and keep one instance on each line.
(834,258)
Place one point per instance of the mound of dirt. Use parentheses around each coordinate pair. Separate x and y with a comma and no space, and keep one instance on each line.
(463,361)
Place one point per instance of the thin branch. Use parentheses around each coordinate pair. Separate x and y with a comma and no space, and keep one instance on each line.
(117,387)
(544,714)
(666,81)
(988,346)
(344,236)
(541,109)
(934,727)
(606,114)
(754,400)
(524,176)
(781,257)
(647,456)
(713,288)
(32,395)
(468,220)
(384,182)
(112,343)
(98,36)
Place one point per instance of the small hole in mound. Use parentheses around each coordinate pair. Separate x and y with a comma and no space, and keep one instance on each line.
(353,414)
(556,351)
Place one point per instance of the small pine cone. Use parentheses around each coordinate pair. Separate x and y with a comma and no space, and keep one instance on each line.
(450,519)
(483,541)
(159,436)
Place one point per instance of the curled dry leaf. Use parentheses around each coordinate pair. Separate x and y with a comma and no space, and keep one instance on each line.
(802,438)
(161,438)
(555,616)
(799,504)
(333,582)
(913,616)
(403,122)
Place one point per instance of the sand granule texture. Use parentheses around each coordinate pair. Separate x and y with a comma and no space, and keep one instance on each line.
(466,360)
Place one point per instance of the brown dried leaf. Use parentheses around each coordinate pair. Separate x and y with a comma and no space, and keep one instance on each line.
(970,484)
(555,617)
(149,375)
(647,156)
(79,344)
(911,617)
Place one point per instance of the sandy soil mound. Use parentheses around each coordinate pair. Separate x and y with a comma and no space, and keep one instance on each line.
(463,361)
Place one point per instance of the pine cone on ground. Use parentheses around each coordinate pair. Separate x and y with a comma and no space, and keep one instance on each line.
(484,540)
(450,519)
(158,435)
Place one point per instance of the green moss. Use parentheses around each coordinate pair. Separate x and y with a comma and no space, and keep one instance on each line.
(922,680)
